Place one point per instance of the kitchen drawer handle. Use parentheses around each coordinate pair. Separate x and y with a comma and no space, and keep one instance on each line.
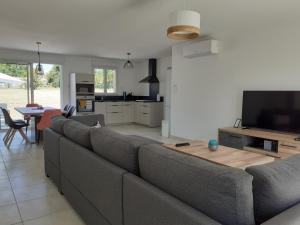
(114,112)
(145,113)
(115,105)
(288,146)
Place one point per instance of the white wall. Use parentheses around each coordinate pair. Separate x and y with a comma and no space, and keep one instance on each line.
(207,91)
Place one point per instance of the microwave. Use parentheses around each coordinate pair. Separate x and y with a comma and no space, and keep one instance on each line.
(85,89)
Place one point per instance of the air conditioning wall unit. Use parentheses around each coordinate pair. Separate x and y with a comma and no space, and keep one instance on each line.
(201,48)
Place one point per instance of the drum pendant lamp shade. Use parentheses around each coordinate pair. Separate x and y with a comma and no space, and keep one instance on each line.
(184,25)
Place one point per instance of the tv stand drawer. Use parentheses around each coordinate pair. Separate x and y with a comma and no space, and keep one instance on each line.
(231,140)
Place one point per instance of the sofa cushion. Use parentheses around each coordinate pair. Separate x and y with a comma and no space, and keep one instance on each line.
(117,148)
(222,193)
(77,132)
(57,124)
(276,187)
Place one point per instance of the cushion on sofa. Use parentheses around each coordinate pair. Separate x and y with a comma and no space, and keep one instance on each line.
(57,124)
(117,148)
(222,193)
(77,132)
(275,187)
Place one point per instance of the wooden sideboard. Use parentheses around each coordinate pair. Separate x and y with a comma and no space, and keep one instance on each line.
(282,145)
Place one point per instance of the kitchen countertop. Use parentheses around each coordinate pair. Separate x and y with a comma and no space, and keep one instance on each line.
(127,101)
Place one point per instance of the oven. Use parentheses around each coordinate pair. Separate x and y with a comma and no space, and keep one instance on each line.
(85,104)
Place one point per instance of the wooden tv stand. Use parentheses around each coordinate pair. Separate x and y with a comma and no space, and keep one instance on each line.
(283,144)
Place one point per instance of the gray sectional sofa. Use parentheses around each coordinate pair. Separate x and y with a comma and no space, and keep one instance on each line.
(114,179)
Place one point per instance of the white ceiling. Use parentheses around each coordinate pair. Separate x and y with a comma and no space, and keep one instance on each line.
(110,28)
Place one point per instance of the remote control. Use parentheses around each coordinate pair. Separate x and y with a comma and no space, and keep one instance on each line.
(182,144)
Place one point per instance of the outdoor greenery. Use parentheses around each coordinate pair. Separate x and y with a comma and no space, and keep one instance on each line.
(105,79)
(50,79)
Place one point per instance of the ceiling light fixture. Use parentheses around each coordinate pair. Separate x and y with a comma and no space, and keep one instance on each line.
(128,64)
(39,70)
(184,25)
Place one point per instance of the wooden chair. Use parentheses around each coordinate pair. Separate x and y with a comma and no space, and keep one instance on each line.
(45,121)
(14,126)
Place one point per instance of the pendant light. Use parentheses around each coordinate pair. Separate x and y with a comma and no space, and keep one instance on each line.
(184,24)
(128,64)
(39,68)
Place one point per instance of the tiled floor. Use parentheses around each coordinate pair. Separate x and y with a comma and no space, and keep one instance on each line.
(27,197)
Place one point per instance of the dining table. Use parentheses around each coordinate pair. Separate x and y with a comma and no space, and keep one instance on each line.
(33,112)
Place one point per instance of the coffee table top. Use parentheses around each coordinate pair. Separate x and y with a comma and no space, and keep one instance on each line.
(224,155)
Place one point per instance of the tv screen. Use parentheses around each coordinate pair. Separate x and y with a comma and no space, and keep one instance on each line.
(273,110)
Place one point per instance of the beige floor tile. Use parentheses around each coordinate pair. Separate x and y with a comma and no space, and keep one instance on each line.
(4,184)
(6,197)
(25,181)
(35,191)
(42,206)
(25,171)
(67,217)
(9,215)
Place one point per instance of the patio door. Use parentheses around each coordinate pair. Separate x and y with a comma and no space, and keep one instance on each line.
(14,87)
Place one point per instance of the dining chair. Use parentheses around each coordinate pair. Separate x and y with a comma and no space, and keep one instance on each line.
(70,112)
(2,105)
(66,109)
(45,121)
(14,126)
(28,117)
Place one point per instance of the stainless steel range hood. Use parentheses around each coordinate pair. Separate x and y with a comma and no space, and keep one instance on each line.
(151,78)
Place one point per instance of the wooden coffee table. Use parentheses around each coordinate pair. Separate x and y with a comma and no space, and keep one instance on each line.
(224,155)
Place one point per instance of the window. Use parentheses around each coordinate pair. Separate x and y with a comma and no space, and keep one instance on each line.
(105,80)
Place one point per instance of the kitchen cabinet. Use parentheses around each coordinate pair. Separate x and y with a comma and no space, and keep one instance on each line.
(145,113)
(128,112)
(149,113)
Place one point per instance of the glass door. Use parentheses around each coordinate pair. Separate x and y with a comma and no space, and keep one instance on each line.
(14,87)
(45,89)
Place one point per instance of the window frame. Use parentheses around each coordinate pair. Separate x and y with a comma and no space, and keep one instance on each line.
(105,68)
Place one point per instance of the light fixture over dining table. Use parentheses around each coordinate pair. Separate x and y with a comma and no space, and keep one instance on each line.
(39,70)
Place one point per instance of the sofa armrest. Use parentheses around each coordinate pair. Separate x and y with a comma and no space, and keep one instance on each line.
(290,216)
(90,120)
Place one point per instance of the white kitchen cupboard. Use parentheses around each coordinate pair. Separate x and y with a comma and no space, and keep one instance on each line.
(149,113)
(146,113)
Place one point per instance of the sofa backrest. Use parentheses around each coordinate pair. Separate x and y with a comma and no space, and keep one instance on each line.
(276,187)
(222,193)
(77,132)
(117,148)
(57,124)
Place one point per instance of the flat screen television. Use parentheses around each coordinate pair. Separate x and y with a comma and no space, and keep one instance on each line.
(272,110)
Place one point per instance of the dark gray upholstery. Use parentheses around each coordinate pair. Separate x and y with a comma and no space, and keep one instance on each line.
(290,216)
(117,148)
(276,187)
(98,180)
(77,132)
(144,204)
(90,120)
(51,155)
(86,210)
(57,124)
(222,193)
